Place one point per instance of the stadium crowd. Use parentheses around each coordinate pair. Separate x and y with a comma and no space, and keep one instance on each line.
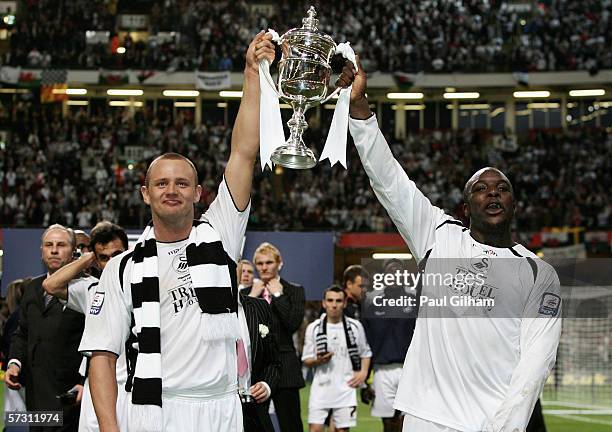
(393,35)
(72,170)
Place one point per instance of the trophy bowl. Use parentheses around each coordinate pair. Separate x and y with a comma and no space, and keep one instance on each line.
(303,78)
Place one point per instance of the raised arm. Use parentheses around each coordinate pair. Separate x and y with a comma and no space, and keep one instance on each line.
(245,135)
(57,284)
(412,213)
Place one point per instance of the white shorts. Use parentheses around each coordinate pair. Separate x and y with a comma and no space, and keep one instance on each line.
(412,423)
(181,414)
(386,380)
(88,421)
(343,417)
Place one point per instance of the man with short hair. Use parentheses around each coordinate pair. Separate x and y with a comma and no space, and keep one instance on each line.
(477,368)
(261,366)
(45,344)
(389,332)
(354,285)
(336,346)
(246,274)
(287,301)
(107,241)
(71,284)
(177,292)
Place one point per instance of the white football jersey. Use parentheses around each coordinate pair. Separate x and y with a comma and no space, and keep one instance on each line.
(479,361)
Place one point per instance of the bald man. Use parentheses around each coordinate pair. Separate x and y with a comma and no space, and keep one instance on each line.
(480,363)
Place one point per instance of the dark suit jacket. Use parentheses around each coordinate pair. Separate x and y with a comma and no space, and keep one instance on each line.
(265,361)
(288,314)
(10,326)
(46,343)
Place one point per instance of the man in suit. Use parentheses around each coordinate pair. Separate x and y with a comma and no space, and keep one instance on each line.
(264,364)
(287,302)
(45,344)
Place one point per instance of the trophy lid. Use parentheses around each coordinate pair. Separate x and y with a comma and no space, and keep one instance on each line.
(309,34)
(310,22)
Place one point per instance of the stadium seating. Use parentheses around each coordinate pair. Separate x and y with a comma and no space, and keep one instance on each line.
(391,35)
(54,167)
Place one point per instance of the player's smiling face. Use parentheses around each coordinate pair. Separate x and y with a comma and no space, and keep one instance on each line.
(490,200)
(172,190)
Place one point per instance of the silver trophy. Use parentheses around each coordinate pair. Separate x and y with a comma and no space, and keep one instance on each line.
(303,78)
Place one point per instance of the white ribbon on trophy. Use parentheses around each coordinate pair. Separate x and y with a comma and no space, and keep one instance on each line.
(335,144)
(271,132)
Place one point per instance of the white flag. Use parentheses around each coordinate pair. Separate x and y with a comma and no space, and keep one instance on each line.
(213,80)
(10,75)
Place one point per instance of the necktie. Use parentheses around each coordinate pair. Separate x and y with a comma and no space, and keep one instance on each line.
(243,363)
(266,295)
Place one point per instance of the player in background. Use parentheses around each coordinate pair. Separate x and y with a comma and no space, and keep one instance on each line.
(389,331)
(354,284)
(336,347)
(71,284)
(481,372)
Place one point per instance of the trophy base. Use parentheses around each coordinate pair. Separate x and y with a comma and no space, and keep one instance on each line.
(294,157)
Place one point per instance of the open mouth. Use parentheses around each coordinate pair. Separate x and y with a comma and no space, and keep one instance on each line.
(494,208)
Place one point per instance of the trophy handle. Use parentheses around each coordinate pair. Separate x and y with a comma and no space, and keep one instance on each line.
(265,70)
(348,53)
(265,65)
(332,94)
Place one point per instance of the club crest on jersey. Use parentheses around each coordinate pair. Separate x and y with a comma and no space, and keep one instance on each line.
(550,304)
(96,303)
(480,264)
(179,263)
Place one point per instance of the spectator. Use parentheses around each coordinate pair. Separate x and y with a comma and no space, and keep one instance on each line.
(44,346)
(393,35)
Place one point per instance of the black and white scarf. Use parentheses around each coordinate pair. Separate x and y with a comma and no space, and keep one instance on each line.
(351,341)
(213,275)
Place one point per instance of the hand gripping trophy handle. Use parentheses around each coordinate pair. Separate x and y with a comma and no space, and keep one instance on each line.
(304,74)
(268,77)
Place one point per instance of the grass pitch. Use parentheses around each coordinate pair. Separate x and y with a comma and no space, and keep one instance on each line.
(560,415)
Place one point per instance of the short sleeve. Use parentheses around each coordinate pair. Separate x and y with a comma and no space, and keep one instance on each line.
(228,221)
(79,291)
(107,319)
(363,346)
(309,343)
